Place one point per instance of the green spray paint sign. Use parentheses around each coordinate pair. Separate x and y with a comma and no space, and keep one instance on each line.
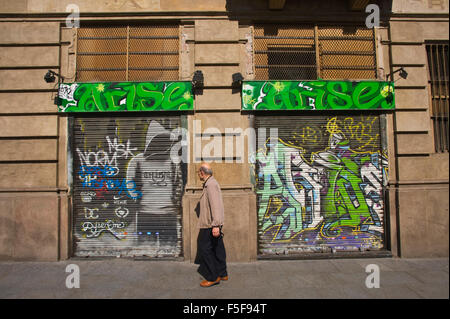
(317,95)
(125,96)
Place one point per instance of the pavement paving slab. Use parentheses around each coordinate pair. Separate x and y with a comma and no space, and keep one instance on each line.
(121,278)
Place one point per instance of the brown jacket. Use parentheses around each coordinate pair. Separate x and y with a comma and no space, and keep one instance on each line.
(211,205)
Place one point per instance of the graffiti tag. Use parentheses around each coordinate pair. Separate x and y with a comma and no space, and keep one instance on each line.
(98,178)
(94,229)
(336,191)
(125,96)
(317,95)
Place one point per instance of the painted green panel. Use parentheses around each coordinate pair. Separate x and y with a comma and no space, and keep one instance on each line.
(317,95)
(125,97)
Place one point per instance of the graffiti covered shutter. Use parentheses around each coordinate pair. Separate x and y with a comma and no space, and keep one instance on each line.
(320,184)
(127,190)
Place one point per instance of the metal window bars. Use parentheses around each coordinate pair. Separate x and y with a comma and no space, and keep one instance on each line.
(438,69)
(307,52)
(128,53)
(284,52)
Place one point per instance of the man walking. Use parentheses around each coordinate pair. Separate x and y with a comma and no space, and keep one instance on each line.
(210,244)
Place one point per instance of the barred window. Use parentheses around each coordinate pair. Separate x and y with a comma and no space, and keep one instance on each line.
(128,53)
(437,54)
(302,52)
(284,52)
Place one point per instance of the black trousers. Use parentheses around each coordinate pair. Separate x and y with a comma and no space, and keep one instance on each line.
(211,255)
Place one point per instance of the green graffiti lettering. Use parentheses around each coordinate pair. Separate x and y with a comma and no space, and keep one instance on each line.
(125,96)
(350,207)
(367,95)
(150,97)
(338,98)
(297,99)
(113,98)
(272,100)
(175,96)
(317,95)
(89,98)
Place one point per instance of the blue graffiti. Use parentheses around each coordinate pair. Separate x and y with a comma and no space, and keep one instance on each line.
(102,178)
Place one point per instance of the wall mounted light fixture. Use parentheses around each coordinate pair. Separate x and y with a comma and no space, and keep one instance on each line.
(198,79)
(49,77)
(403,74)
(237,79)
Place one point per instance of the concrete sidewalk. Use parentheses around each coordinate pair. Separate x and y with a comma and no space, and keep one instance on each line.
(284,279)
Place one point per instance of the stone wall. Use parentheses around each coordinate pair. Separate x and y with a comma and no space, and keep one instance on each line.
(216,38)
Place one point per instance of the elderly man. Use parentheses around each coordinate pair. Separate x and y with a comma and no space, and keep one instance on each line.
(210,244)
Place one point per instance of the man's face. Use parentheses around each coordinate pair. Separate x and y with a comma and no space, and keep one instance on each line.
(201,175)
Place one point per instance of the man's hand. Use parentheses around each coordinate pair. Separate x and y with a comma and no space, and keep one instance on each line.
(216,232)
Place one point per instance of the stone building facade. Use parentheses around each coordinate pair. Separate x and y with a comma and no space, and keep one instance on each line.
(42,172)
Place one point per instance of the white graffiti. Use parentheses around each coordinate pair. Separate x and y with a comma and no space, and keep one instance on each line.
(372,193)
(94,229)
(312,102)
(118,201)
(305,86)
(102,158)
(119,149)
(311,187)
(87,197)
(122,212)
(66,92)
(89,213)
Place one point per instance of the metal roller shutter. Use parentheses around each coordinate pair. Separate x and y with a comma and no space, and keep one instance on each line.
(127,190)
(320,184)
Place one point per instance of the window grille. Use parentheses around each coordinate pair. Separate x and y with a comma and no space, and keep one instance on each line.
(128,53)
(283,52)
(439,88)
(301,52)
(347,53)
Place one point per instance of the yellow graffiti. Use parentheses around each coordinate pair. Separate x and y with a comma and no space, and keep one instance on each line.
(333,127)
(307,134)
(278,86)
(100,87)
(277,203)
(362,132)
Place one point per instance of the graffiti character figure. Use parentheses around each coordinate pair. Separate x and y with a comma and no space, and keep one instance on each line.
(158,179)
(332,198)
(345,202)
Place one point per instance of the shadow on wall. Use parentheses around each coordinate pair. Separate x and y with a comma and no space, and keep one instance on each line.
(238,7)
